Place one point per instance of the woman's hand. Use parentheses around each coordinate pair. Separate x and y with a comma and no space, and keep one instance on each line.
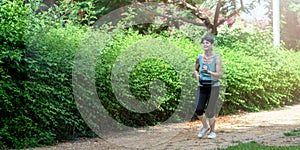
(198,77)
(204,68)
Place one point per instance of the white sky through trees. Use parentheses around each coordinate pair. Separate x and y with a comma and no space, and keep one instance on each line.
(258,13)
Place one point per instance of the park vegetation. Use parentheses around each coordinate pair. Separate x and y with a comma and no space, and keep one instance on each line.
(39,50)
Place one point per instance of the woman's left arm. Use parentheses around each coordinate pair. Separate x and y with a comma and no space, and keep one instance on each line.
(218,73)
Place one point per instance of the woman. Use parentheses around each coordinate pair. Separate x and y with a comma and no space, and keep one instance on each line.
(207,71)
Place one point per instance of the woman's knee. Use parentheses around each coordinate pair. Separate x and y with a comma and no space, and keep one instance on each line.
(199,112)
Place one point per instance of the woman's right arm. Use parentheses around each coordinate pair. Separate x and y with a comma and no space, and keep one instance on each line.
(196,69)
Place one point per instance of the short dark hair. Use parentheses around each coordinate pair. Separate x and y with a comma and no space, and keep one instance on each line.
(208,38)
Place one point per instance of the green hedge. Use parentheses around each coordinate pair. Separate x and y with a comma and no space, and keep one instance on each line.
(143,74)
(259,76)
(37,104)
(49,87)
(14,121)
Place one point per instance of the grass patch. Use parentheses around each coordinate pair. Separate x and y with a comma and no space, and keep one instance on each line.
(256,146)
(293,133)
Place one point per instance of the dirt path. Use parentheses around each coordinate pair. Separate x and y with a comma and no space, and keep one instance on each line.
(263,127)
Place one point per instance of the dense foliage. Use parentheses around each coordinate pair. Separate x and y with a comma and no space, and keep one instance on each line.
(158,78)
(14,120)
(37,105)
(259,75)
(37,102)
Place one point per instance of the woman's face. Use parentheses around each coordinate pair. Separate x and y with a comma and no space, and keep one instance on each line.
(207,46)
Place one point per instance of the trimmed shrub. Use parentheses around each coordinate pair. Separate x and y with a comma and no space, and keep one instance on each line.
(37,104)
(14,118)
(259,75)
(125,50)
(49,87)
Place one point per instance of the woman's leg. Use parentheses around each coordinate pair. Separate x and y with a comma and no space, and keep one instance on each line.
(203,98)
(211,109)
(203,119)
(201,102)
(212,124)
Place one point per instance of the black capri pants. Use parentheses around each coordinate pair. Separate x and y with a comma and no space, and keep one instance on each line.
(207,98)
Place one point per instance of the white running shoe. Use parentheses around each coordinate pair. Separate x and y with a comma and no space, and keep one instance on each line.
(212,135)
(203,132)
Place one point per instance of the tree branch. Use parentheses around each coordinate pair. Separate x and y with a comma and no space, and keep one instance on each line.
(205,21)
(217,13)
(197,13)
(170,16)
(232,14)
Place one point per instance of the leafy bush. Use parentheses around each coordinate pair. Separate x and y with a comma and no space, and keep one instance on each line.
(49,87)
(243,81)
(153,81)
(37,105)
(36,96)
(259,75)
(61,12)
(13,121)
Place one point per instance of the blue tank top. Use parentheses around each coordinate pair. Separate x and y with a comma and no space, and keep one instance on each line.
(211,67)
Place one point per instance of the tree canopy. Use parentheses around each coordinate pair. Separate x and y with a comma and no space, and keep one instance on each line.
(209,13)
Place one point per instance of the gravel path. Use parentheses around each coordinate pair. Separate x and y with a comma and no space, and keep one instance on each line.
(263,127)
